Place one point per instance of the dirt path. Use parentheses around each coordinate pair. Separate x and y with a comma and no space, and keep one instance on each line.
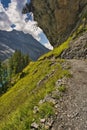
(73,107)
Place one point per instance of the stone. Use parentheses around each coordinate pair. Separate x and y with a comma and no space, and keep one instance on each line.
(50,122)
(47,127)
(36,109)
(34,125)
(50,99)
(42,120)
(41,102)
(77,48)
(56,106)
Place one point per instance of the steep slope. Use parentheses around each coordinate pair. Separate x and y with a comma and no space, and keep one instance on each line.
(16,40)
(48,97)
(29,100)
(52,95)
(58,18)
(39,99)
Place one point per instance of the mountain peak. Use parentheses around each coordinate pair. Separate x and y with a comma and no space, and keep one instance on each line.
(17,40)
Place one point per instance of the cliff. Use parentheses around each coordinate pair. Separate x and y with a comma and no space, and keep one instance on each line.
(58,18)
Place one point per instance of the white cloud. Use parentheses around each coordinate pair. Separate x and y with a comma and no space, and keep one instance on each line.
(4,19)
(1,8)
(13,16)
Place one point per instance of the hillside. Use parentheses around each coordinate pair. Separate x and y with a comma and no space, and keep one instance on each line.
(38,99)
(17,40)
(52,94)
(29,100)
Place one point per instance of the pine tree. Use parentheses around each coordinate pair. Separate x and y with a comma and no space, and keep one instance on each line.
(17,62)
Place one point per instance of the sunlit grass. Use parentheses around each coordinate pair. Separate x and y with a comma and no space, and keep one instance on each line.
(16,106)
(57,51)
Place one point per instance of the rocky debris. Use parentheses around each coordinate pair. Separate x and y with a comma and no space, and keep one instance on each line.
(50,122)
(41,101)
(72,109)
(36,109)
(54,98)
(34,125)
(46,123)
(77,48)
(42,120)
(61,82)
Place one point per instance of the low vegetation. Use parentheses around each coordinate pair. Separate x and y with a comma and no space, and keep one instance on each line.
(11,69)
(57,51)
(62,88)
(17,105)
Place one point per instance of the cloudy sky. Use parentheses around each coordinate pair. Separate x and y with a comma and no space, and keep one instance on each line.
(12,18)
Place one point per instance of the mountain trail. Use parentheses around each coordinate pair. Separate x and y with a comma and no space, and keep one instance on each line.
(72,111)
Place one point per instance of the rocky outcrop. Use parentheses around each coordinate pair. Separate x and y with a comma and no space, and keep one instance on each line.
(58,18)
(77,48)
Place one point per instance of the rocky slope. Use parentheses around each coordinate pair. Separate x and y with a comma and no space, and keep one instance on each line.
(16,40)
(72,109)
(58,18)
(77,48)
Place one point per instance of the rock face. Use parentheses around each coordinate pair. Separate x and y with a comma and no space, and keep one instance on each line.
(58,18)
(77,49)
(16,40)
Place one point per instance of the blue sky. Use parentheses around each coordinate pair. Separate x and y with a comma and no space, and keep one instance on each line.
(28,1)
(5,3)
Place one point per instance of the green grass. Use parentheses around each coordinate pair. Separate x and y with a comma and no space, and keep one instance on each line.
(57,51)
(16,106)
(46,110)
(62,88)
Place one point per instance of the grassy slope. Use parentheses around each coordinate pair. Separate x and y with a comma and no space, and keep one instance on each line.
(16,106)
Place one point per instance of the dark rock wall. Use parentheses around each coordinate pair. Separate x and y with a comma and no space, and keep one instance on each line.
(57,18)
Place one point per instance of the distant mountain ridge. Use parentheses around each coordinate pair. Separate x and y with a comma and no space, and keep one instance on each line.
(16,40)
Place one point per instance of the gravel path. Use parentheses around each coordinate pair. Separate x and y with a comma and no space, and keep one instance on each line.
(72,109)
